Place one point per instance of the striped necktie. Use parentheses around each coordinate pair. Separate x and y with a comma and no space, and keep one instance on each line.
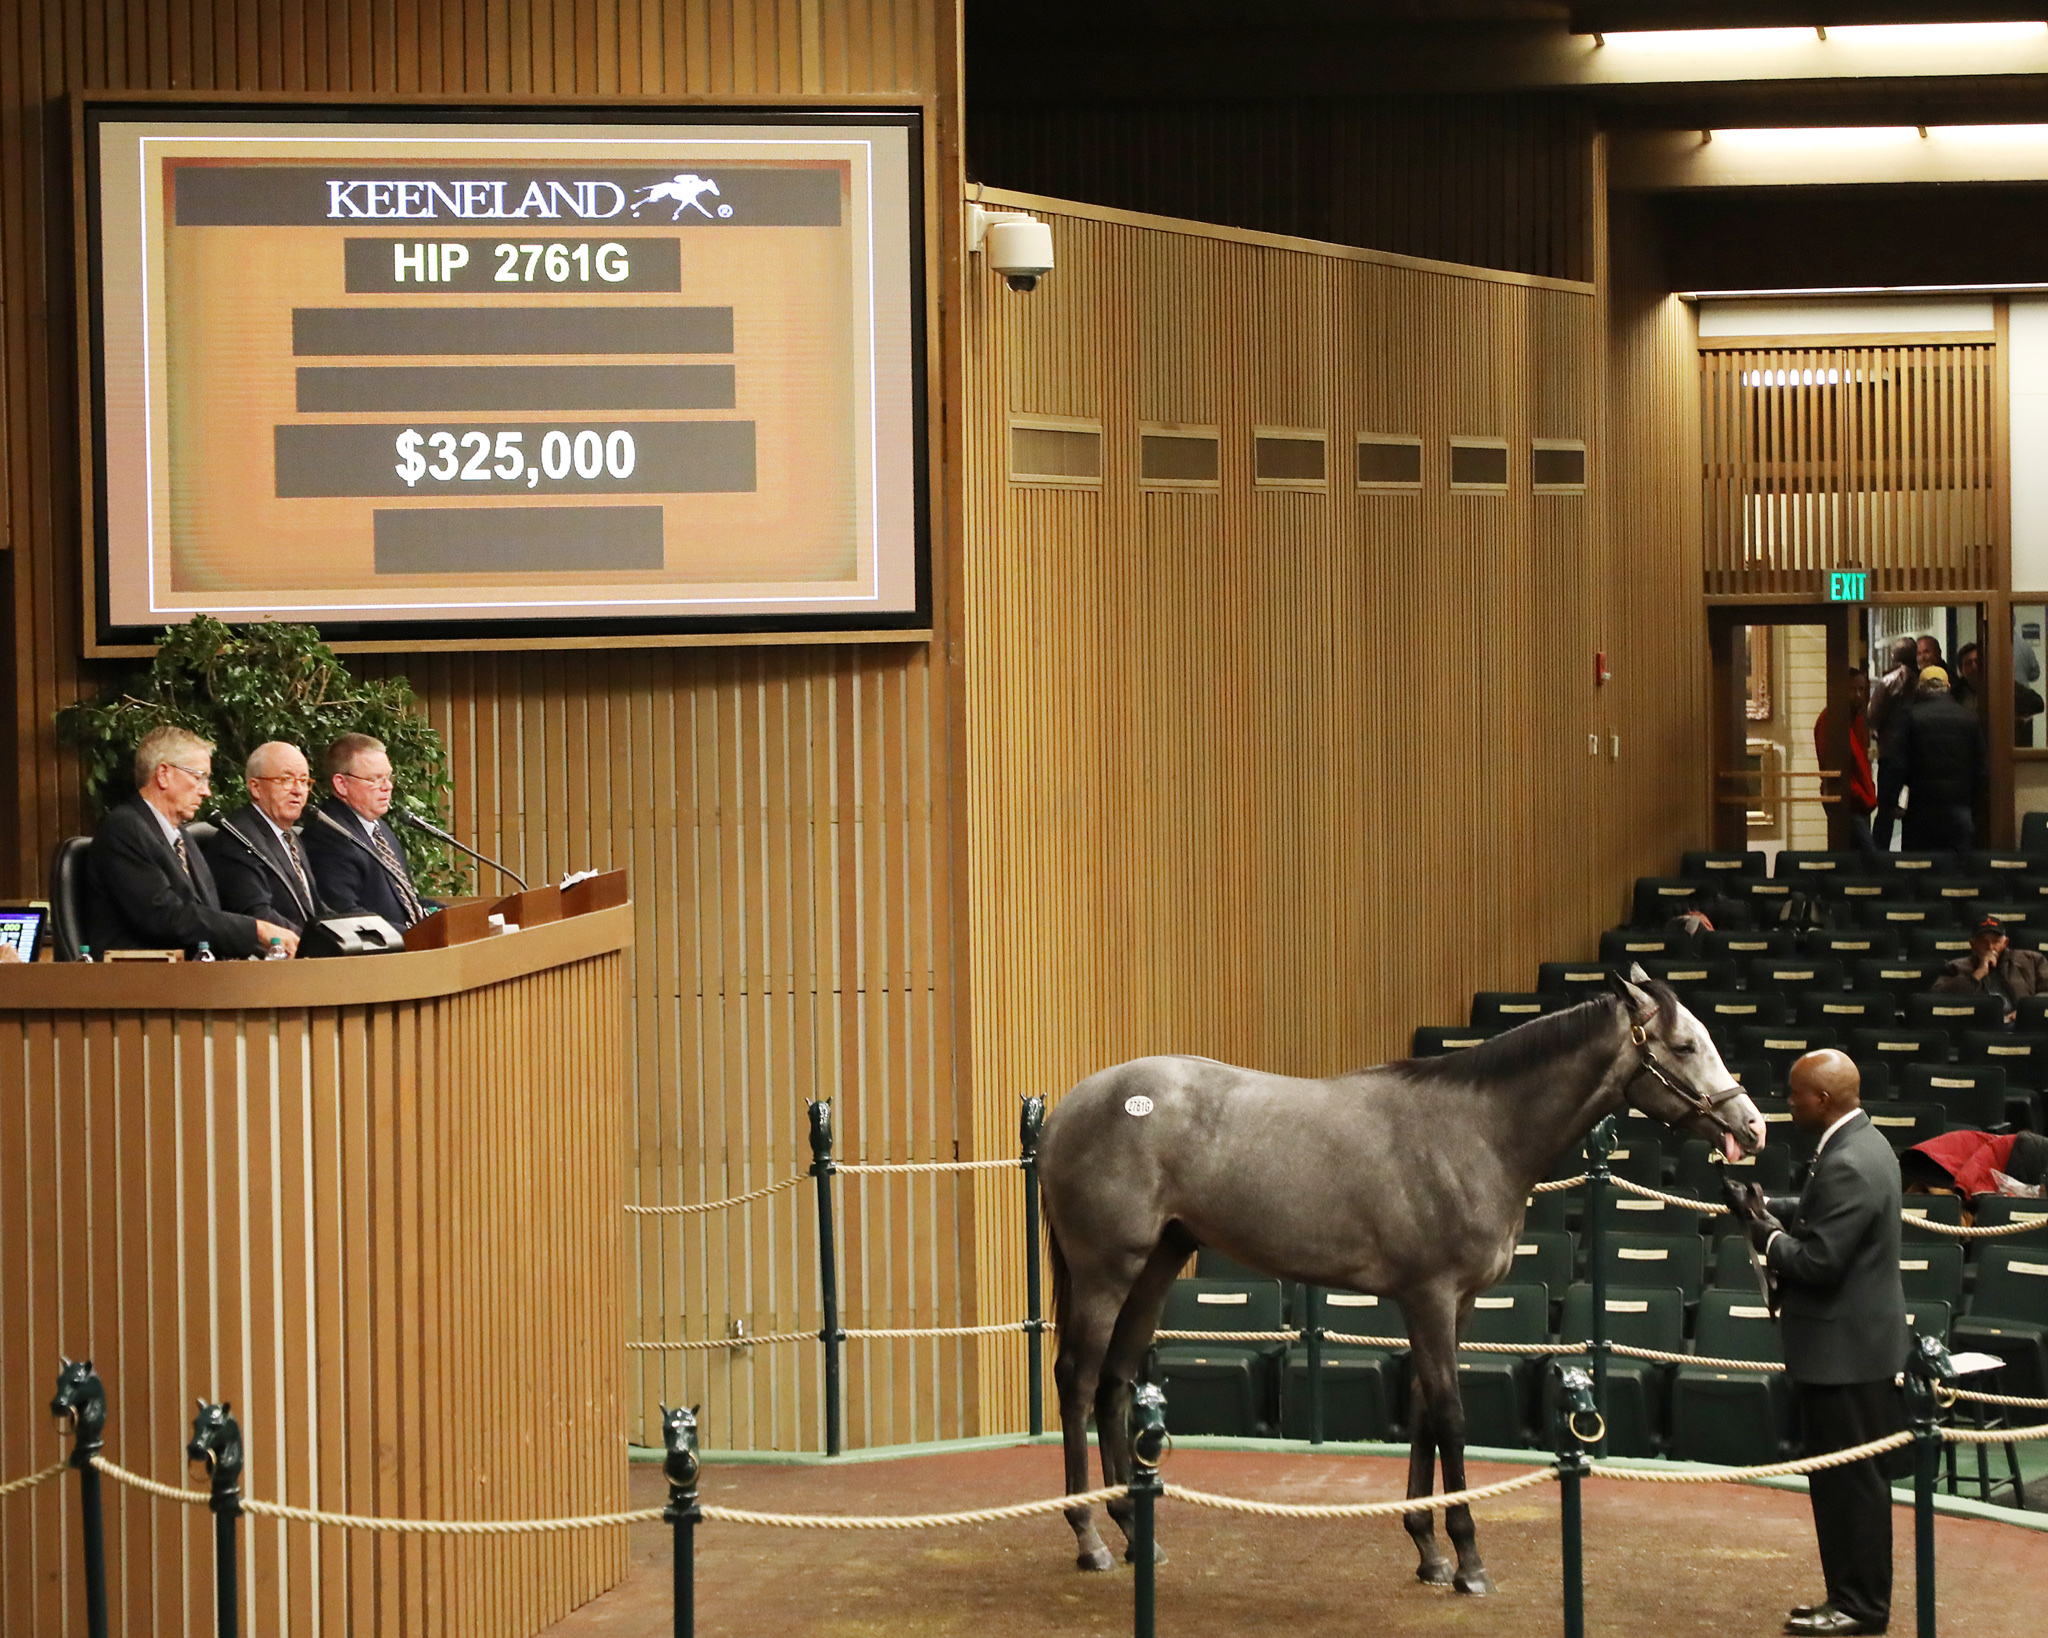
(291,852)
(178,847)
(395,868)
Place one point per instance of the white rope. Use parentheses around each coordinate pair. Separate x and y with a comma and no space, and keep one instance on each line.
(449,1527)
(939,1331)
(1706,1361)
(1226,1336)
(169,1492)
(1475,1347)
(1773,1470)
(2001,1399)
(720,1342)
(1648,1193)
(1361,1510)
(857,1167)
(1994,1436)
(717,1205)
(33,1479)
(1557,1183)
(914,1521)
(1991,1232)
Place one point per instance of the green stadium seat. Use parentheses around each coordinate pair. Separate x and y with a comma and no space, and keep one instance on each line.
(1544,1257)
(1659,898)
(1897,1045)
(1905,1124)
(1621,945)
(1795,865)
(1499,1390)
(1932,1271)
(2008,1315)
(1495,1010)
(1782,1045)
(1997,1210)
(1970,1095)
(1638,1391)
(1689,974)
(1706,866)
(1915,866)
(1917,1209)
(1732,1416)
(1794,975)
(1937,946)
(1850,945)
(1904,918)
(1848,1009)
(1436,1040)
(1575,980)
(1361,1386)
(1896,976)
(1657,1259)
(1226,1388)
(1741,944)
(1955,1013)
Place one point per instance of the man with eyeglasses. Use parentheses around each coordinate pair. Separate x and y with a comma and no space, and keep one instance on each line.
(147,885)
(359,864)
(257,857)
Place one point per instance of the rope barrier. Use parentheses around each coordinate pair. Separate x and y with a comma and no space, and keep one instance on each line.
(1361,1510)
(1773,1470)
(718,1205)
(33,1479)
(1956,1231)
(1994,1436)
(1226,1336)
(2001,1399)
(1531,1348)
(1557,1183)
(857,1167)
(914,1521)
(1708,1361)
(938,1331)
(1628,1187)
(721,1342)
(135,1481)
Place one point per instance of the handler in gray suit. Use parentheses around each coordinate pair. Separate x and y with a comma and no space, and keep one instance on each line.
(1835,1252)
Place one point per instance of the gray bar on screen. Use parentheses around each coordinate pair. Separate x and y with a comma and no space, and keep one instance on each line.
(518,540)
(485,388)
(389,332)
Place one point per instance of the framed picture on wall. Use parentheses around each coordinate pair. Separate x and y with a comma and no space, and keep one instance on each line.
(1757,673)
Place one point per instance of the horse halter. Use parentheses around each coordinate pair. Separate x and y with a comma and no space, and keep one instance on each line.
(1700,1103)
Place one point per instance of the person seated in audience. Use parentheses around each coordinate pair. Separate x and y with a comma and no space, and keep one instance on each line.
(1971,1163)
(1994,967)
(256,855)
(359,864)
(147,885)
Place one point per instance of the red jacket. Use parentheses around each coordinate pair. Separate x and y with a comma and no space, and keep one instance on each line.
(1862,788)
(1970,1158)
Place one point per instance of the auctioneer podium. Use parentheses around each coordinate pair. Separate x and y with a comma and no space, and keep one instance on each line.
(373,1203)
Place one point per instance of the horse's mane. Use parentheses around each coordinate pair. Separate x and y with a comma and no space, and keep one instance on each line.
(1526,1046)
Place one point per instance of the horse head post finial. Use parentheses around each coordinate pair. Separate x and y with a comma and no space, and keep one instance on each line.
(680,1465)
(820,1110)
(1030,1122)
(217,1447)
(80,1408)
(1148,1426)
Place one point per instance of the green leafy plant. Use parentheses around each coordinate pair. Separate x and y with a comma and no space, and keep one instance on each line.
(242,685)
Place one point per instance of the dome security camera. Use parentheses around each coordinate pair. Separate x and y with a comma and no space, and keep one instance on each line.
(1014,243)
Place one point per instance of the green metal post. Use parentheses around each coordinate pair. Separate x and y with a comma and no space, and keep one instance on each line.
(1312,1329)
(1930,1373)
(828,1267)
(1599,1145)
(682,1514)
(217,1442)
(1030,1122)
(1148,1444)
(81,1404)
(1574,1403)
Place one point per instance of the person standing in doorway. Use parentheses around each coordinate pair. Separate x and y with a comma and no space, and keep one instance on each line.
(1858,793)
(1942,745)
(1887,709)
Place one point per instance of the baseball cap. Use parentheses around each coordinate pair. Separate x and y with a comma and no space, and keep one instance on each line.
(1989,926)
(1933,676)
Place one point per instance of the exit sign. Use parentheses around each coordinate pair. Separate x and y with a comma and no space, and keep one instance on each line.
(1848,585)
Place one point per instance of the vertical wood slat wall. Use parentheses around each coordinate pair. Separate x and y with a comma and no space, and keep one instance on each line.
(1880,457)
(297,1212)
(1275,776)
(783,811)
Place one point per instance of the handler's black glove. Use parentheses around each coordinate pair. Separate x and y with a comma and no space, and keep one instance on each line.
(1761,1228)
(1747,1201)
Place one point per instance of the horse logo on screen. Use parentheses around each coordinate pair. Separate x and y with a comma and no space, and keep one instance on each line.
(687,190)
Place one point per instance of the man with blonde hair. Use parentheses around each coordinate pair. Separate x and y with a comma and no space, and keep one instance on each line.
(147,885)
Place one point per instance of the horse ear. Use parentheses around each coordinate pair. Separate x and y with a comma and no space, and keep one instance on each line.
(1640,1002)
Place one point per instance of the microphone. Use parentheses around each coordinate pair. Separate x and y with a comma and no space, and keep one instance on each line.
(408,818)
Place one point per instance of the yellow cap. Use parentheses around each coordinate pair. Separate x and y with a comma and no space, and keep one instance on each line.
(1933,676)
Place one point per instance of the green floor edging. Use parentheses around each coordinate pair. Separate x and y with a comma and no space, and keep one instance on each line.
(1956,1506)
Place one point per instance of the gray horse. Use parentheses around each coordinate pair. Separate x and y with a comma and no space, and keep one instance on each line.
(1408,1181)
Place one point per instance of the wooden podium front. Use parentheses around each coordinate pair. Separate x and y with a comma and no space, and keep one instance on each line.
(375,1204)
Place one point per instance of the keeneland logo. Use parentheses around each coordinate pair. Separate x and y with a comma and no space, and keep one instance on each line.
(477,200)
(687,190)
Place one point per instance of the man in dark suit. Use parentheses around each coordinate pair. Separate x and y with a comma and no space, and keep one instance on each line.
(147,885)
(1835,1252)
(1941,744)
(256,855)
(358,861)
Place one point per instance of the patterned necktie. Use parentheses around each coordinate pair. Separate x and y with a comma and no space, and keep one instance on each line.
(178,847)
(395,868)
(291,852)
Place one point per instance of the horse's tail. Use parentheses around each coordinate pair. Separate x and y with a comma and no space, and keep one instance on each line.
(1062,1280)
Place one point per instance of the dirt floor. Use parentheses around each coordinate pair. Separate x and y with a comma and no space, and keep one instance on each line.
(1693,1561)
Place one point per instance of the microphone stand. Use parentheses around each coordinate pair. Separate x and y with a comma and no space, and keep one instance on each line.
(435,831)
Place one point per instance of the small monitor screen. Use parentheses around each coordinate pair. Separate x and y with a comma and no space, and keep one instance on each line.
(21,926)
(409,373)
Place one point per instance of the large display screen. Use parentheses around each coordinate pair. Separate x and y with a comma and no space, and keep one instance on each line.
(410,374)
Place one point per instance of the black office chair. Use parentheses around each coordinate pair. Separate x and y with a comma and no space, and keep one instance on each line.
(67,896)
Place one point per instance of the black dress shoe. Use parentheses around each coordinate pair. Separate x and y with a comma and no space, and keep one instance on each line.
(1800,1612)
(1829,1622)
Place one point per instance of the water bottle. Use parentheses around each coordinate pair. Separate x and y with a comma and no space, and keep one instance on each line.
(205,951)
(277,950)
(85,952)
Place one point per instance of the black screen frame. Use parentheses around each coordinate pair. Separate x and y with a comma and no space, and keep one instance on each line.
(103,637)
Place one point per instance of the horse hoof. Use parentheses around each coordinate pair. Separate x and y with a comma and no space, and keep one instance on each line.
(1434,1575)
(1158,1554)
(1475,1585)
(1096,1558)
